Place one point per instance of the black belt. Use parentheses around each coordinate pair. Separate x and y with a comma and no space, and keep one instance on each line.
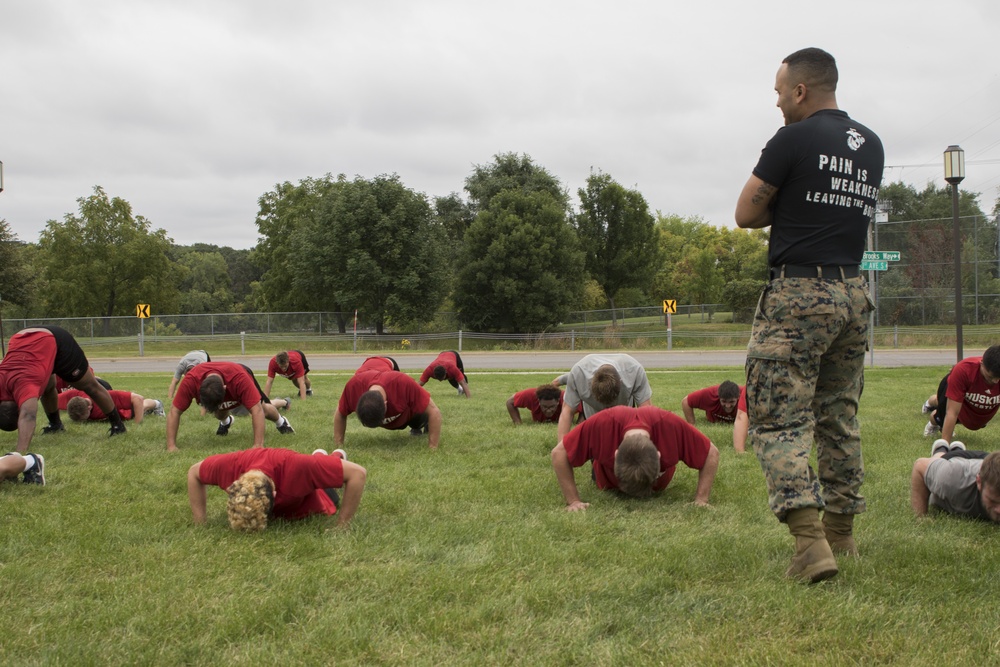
(827,272)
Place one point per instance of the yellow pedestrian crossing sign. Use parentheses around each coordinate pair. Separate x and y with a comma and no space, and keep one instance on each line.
(670,305)
(142,310)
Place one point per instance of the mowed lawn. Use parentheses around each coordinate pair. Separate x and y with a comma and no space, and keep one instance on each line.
(465,555)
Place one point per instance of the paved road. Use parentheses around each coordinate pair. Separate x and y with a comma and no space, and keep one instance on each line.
(414,361)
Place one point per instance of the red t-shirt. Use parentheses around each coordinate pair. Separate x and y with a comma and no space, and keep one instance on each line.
(122,401)
(25,371)
(707,399)
(375,364)
(528,400)
(449,361)
(404,398)
(598,438)
(979,400)
(241,389)
(298,479)
(295,368)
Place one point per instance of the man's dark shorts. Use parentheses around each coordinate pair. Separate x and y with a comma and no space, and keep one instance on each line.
(71,363)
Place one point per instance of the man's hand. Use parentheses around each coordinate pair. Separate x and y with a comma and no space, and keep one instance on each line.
(576,506)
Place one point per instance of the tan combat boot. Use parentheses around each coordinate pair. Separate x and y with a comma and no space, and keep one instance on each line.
(839,530)
(813,560)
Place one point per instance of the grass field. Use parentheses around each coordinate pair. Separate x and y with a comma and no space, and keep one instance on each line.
(465,555)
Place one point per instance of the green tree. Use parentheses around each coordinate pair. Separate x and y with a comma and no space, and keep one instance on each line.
(921,226)
(204,283)
(618,236)
(241,272)
(455,215)
(17,280)
(372,245)
(521,268)
(282,213)
(105,260)
(510,171)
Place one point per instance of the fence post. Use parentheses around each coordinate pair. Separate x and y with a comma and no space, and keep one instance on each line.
(243,343)
(572,337)
(895,336)
(459,340)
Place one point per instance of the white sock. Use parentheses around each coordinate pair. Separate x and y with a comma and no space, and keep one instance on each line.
(281,422)
(29,461)
(228,421)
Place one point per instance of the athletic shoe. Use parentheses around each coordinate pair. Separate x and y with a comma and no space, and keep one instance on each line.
(223,428)
(53,428)
(940,445)
(158,410)
(342,453)
(288,404)
(309,392)
(927,408)
(931,429)
(116,429)
(320,451)
(36,473)
(416,431)
(957,445)
(286,428)
(461,392)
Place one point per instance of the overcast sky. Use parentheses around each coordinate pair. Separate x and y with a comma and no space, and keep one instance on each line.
(192,110)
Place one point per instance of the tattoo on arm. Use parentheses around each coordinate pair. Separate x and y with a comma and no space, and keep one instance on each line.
(763,194)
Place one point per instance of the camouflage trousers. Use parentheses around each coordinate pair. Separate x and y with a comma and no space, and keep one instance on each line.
(805,365)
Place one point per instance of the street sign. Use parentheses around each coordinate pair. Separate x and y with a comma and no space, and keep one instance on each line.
(142,310)
(874,265)
(885,255)
(670,305)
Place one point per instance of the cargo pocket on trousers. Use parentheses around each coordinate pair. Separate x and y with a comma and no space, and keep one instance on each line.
(767,363)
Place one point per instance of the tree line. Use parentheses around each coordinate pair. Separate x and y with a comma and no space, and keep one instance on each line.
(514,253)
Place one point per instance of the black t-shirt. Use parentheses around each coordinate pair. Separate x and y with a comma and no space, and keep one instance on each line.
(828,169)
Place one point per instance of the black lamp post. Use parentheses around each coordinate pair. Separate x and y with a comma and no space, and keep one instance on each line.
(954,173)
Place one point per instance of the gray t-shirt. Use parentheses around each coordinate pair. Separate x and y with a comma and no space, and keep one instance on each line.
(635,386)
(189,361)
(952,483)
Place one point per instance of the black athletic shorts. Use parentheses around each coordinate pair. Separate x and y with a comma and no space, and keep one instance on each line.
(71,363)
(305,364)
(260,391)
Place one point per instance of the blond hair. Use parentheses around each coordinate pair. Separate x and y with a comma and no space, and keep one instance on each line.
(251,498)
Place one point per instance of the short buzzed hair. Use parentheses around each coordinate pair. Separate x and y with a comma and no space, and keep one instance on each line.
(606,385)
(991,360)
(371,409)
(212,392)
(637,465)
(729,390)
(989,471)
(78,409)
(814,67)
